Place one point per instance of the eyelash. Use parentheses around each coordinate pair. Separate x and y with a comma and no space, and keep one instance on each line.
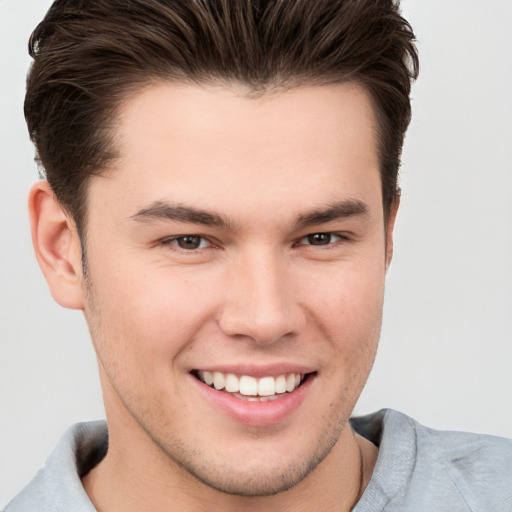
(175,241)
(340,236)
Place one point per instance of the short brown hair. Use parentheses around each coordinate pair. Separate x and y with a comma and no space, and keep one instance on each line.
(90,54)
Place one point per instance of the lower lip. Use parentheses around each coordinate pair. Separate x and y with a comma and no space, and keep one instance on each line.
(256,414)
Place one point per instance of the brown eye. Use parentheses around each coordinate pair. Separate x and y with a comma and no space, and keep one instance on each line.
(319,239)
(189,242)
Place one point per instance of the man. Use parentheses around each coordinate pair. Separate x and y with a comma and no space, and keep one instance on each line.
(219,200)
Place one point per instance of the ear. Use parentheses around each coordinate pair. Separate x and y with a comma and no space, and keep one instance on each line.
(57,246)
(390,229)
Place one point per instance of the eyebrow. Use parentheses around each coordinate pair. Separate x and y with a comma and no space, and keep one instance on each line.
(335,211)
(160,210)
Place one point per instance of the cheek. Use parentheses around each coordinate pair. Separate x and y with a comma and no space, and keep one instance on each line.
(148,313)
(348,299)
(348,310)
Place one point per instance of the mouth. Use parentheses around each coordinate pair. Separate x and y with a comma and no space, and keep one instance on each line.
(252,389)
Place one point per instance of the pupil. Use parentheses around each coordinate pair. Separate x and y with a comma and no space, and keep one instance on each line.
(189,242)
(319,239)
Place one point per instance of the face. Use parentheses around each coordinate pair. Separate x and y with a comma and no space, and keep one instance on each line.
(240,241)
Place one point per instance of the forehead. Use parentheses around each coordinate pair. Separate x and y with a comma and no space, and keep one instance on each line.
(214,115)
(211,145)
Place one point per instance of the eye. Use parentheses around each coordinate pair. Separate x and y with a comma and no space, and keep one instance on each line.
(188,242)
(320,239)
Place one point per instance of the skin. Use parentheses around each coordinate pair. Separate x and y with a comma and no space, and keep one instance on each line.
(256,292)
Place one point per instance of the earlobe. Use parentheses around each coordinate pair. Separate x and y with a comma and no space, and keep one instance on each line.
(57,246)
(390,229)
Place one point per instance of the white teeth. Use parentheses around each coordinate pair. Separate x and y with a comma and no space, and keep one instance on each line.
(290,383)
(232,383)
(218,380)
(281,384)
(250,386)
(267,386)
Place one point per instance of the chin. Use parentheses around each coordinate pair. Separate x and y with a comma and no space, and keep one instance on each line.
(265,471)
(254,481)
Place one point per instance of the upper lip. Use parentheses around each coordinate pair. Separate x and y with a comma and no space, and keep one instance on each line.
(266,370)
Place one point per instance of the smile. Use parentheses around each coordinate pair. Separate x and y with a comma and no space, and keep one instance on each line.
(258,397)
(250,388)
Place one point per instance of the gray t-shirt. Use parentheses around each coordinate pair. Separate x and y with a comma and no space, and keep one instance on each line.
(418,469)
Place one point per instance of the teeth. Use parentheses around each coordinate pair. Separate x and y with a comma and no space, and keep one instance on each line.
(290,383)
(281,384)
(232,383)
(218,380)
(250,386)
(267,386)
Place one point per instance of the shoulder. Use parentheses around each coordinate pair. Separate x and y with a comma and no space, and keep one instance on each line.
(420,468)
(57,486)
(479,466)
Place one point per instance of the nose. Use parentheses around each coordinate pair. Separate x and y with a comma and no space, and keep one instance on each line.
(261,300)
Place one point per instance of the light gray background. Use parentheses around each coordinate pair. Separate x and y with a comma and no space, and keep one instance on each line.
(446,349)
